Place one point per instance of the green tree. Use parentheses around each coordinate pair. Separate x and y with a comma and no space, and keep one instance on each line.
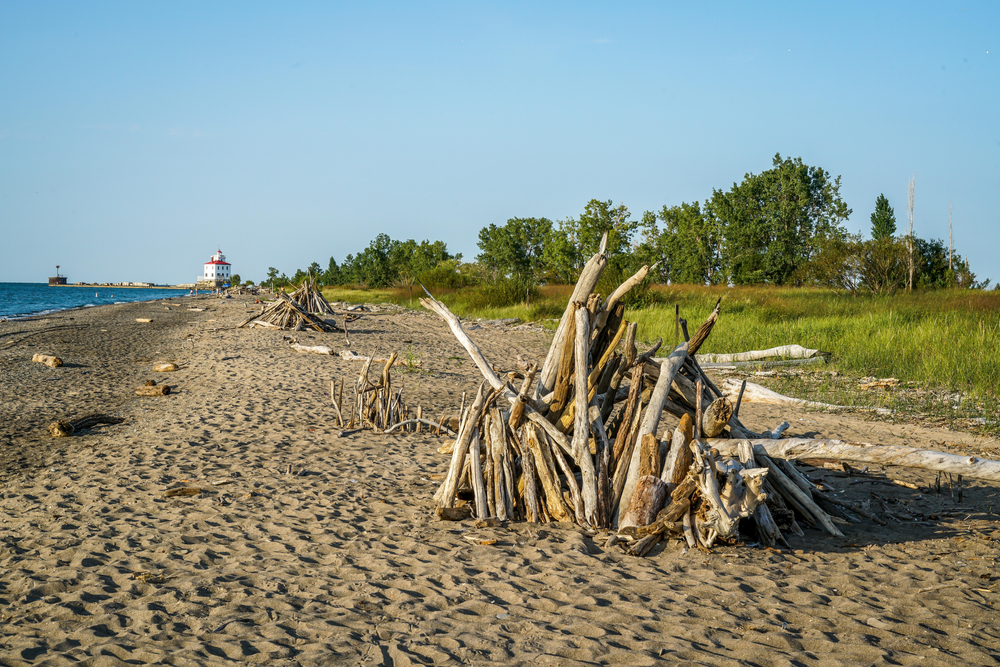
(599,217)
(561,256)
(690,245)
(428,255)
(883,219)
(516,249)
(332,274)
(272,276)
(315,270)
(234,280)
(373,267)
(771,222)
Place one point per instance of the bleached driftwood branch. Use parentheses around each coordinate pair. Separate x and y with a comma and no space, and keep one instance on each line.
(783,352)
(866,452)
(755,393)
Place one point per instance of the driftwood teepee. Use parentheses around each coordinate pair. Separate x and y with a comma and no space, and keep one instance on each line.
(581,445)
(286,313)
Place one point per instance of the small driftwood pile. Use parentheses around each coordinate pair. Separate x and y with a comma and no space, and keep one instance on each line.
(377,405)
(581,446)
(287,314)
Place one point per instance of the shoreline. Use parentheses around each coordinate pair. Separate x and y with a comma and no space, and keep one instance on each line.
(305,548)
(174,287)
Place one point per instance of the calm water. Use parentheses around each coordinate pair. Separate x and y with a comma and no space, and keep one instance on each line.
(22,299)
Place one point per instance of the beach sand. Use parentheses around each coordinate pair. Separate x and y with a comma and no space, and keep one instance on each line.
(306,548)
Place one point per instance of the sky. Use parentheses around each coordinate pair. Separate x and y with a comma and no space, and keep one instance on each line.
(136,139)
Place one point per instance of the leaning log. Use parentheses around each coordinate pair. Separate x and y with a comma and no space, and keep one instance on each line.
(650,492)
(866,452)
(651,420)
(584,287)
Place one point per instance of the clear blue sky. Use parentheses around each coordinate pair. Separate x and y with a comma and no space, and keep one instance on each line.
(138,137)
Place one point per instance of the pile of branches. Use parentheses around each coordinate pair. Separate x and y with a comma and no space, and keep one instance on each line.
(311,299)
(287,314)
(580,445)
(377,404)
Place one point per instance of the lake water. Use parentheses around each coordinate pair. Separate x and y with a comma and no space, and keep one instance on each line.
(24,299)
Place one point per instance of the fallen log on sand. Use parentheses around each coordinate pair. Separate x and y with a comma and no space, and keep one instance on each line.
(314,349)
(48,360)
(866,452)
(755,393)
(781,352)
(155,390)
(65,428)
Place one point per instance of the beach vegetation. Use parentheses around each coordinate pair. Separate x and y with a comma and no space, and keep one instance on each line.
(944,344)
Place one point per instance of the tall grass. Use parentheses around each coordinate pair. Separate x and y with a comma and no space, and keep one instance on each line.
(946,339)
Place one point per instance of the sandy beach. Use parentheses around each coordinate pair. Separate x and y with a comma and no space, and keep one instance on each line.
(307,548)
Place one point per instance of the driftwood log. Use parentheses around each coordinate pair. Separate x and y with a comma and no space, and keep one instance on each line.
(155,390)
(65,428)
(866,452)
(781,352)
(755,393)
(48,360)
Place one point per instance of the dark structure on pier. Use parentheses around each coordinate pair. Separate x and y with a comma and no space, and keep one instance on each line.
(57,280)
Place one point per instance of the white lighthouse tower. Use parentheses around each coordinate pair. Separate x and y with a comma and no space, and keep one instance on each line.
(217,272)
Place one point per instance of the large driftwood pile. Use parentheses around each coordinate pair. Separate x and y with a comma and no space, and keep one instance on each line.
(576,443)
(287,314)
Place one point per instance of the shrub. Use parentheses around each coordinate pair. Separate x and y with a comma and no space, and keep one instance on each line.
(503,292)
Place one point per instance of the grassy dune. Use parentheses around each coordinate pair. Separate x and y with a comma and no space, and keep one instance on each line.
(944,346)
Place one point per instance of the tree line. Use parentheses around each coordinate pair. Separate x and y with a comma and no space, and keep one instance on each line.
(783,226)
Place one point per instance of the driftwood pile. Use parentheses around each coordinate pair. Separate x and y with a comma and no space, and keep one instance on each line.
(311,299)
(378,405)
(288,314)
(580,445)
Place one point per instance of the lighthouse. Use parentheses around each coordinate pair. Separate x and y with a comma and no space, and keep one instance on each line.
(217,272)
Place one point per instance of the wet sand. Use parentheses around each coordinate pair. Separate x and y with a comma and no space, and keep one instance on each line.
(306,548)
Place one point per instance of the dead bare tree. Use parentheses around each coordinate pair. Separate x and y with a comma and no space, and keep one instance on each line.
(951,239)
(909,238)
